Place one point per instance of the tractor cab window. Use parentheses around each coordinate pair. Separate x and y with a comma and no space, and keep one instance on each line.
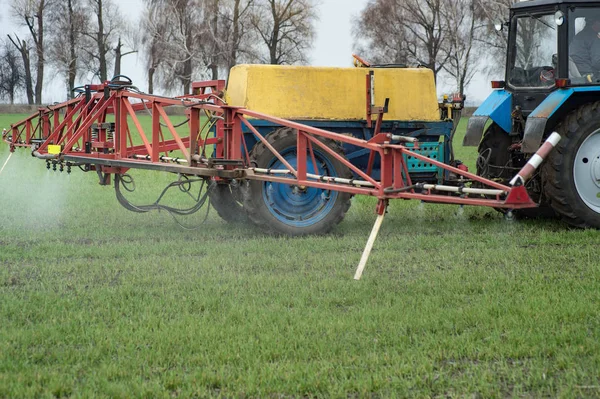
(534,59)
(584,45)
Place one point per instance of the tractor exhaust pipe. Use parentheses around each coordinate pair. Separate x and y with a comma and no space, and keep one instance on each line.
(536,160)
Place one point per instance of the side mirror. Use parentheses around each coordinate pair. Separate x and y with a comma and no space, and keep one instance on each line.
(499,26)
(559,18)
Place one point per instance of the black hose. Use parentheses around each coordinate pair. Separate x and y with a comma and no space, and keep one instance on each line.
(183,185)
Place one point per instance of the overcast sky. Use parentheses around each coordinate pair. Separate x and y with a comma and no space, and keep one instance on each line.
(333,46)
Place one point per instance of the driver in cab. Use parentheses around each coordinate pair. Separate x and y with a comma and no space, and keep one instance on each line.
(585,47)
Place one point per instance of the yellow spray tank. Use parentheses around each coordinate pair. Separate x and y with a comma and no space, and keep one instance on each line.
(336,94)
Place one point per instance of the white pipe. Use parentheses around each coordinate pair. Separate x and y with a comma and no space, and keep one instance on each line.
(404,139)
(272,171)
(316,177)
(341,180)
(163,158)
(466,190)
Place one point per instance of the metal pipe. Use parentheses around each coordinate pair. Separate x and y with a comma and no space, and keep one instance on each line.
(341,180)
(404,139)
(465,190)
(330,179)
(536,160)
(44,156)
(199,159)
(272,171)
(163,158)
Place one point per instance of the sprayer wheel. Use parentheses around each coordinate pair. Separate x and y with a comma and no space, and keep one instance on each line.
(280,208)
(226,199)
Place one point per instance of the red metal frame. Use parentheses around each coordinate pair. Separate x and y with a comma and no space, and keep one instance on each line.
(70,125)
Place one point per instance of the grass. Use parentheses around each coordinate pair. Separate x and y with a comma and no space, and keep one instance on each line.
(99,302)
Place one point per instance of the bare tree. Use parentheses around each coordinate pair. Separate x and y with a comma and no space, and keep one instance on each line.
(239,40)
(211,42)
(227,35)
(11,71)
(67,21)
(183,42)
(104,28)
(154,25)
(178,41)
(464,31)
(378,35)
(405,30)
(495,43)
(119,54)
(32,14)
(425,32)
(23,47)
(286,28)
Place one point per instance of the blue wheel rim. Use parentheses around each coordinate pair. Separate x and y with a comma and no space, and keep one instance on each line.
(296,206)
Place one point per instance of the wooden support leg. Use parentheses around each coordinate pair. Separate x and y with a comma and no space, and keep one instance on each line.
(5,163)
(367,252)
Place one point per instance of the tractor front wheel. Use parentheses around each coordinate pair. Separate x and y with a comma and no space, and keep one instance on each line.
(572,171)
(280,208)
(494,160)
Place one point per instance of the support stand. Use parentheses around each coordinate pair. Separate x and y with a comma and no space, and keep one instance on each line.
(381,208)
(5,163)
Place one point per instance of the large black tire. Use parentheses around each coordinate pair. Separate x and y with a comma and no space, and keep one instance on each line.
(572,171)
(494,149)
(227,200)
(500,165)
(286,209)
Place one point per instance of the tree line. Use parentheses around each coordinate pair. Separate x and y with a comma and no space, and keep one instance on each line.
(182,41)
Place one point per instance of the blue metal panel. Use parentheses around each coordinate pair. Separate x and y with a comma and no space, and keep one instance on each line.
(538,119)
(554,101)
(498,107)
(558,98)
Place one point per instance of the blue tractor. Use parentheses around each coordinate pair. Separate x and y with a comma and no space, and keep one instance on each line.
(552,84)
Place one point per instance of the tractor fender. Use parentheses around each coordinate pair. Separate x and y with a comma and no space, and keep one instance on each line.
(496,107)
(552,110)
(535,127)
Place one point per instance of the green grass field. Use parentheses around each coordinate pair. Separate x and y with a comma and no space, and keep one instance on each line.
(99,302)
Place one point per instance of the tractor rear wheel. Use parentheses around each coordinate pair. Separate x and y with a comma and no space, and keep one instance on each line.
(280,208)
(227,200)
(572,171)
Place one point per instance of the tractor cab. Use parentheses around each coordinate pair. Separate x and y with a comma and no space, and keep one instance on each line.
(552,83)
(552,67)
